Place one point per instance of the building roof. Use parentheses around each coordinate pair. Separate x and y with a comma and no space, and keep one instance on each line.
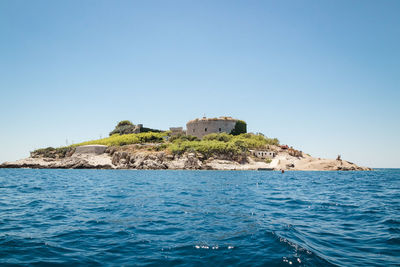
(222,118)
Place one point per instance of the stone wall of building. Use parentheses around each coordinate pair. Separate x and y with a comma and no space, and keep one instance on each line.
(176,130)
(263,154)
(204,126)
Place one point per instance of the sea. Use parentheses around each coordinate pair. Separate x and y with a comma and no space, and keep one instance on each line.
(199,218)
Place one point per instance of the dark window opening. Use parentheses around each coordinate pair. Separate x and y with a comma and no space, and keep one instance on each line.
(205,129)
(219,129)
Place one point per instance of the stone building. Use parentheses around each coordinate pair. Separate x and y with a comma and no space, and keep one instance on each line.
(176,130)
(262,154)
(204,126)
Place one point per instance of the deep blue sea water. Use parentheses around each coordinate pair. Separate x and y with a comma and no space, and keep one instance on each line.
(214,218)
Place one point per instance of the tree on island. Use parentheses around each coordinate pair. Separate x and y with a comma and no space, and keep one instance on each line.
(123,127)
(240,127)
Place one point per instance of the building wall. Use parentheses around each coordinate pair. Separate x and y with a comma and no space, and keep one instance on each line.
(262,154)
(176,130)
(202,127)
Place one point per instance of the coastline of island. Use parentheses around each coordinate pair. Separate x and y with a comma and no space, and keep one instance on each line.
(147,157)
(224,144)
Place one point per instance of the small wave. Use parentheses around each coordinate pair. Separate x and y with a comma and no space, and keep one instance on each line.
(394,241)
(394,230)
(96,222)
(298,202)
(335,204)
(391,222)
(300,254)
(58,217)
(69,234)
(36,188)
(35,203)
(213,247)
(289,243)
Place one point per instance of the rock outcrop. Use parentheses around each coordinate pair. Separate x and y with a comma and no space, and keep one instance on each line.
(91,149)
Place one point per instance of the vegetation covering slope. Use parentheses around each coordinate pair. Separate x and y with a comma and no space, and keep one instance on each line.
(127,127)
(221,144)
(128,139)
(212,144)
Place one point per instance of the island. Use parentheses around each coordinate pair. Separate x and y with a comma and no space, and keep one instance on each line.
(207,144)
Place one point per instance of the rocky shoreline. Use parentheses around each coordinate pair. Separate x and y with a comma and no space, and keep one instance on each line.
(125,158)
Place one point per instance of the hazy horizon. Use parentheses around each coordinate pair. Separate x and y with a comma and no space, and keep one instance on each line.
(322,77)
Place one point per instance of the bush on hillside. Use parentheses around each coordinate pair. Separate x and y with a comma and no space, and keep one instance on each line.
(123,127)
(51,152)
(224,137)
(124,123)
(127,139)
(221,143)
(240,128)
(273,141)
(206,148)
(146,130)
(183,137)
(127,127)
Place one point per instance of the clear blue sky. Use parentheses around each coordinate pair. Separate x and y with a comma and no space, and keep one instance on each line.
(323,76)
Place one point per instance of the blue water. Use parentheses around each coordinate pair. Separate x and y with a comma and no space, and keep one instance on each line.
(215,218)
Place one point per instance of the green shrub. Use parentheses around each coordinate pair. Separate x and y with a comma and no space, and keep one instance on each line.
(220,143)
(146,130)
(183,137)
(240,128)
(218,137)
(123,127)
(161,147)
(268,160)
(127,127)
(44,150)
(124,123)
(272,141)
(127,139)
(51,152)
(205,147)
(251,141)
